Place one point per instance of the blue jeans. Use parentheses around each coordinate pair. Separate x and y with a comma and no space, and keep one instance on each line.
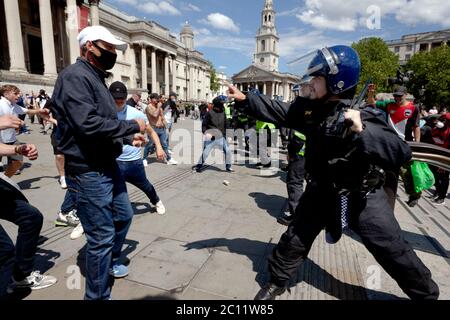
(20,259)
(209,145)
(134,173)
(163,138)
(69,202)
(105,214)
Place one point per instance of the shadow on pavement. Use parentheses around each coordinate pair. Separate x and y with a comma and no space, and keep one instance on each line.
(418,242)
(273,204)
(27,184)
(142,208)
(329,284)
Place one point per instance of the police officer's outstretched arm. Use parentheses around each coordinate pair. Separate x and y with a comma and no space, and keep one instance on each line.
(265,109)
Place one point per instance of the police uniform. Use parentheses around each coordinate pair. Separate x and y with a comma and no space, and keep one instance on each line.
(337,163)
(295,174)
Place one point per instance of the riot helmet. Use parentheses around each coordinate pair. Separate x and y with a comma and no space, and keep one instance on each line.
(339,65)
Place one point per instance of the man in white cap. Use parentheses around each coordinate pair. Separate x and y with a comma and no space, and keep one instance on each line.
(91,139)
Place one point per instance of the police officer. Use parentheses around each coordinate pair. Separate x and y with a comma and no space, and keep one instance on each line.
(295,175)
(344,163)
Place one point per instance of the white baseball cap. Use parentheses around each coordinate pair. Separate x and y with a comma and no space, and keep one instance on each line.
(94,33)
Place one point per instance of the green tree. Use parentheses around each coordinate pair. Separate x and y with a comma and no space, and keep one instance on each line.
(431,76)
(215,85)
(377,62)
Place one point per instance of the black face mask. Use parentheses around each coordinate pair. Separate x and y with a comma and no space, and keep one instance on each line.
(107,60)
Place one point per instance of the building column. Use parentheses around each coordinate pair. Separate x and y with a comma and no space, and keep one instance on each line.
(153,58)
(95,17)
(48,43)
(174,75)
(191,83)
(72,29)
(264,89)
(14,32)
(144,67)
(273,90)
(166,74)
(132,54)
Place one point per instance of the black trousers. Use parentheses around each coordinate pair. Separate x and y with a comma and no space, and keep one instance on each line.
(373,220)
(441,178)
(294,182)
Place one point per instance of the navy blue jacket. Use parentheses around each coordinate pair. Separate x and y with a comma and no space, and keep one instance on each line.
(91,134)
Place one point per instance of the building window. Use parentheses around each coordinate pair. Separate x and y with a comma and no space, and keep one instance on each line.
(270,18)
(261,60)
(409,47)
(178,90)
(423,47)
(263,45)
(138,83)
(407,57)
(397,49)
(274,46)
(265,18)
(435,45)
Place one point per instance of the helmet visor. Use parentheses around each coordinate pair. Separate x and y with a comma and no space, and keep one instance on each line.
(317,62)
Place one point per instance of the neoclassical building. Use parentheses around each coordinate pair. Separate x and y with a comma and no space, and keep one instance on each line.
(410,44)
(154,61)
(263,74)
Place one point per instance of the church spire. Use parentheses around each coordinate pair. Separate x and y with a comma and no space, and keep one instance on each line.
(266,55)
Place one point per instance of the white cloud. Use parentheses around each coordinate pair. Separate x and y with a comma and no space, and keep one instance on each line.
(220,21)
(350,14)
(191,7)
(202,31)
(223,67)
(426,11)
(245,46)
(153,6)
(298,42)
(321,21)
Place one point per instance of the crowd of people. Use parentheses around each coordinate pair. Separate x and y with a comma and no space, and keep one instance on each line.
(98,134)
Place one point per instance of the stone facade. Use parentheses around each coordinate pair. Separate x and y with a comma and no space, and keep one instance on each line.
(410,44)
(155,60)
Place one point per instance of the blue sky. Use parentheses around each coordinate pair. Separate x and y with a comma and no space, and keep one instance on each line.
(225,29)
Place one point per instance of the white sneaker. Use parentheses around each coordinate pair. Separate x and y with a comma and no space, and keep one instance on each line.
(34,281)
(172,162)
(160,209)
(169,152)
(145,163)
(77,232)
(67,219)
(62,182)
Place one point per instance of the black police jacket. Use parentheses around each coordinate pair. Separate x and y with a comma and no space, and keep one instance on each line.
(377,144)
(91,135)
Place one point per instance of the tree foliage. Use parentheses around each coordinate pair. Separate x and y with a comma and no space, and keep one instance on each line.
(215,85)
(377,62)
(431,71)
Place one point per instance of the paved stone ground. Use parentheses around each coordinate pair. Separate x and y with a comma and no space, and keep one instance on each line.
(214,240)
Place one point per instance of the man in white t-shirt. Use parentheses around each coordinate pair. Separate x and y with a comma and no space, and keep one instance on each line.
(9,96)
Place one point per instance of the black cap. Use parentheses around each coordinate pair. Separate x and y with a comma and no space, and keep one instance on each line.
(118,90)
(154,96)
(173,94)
(400,91)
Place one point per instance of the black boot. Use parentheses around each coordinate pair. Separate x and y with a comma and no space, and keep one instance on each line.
(269,292)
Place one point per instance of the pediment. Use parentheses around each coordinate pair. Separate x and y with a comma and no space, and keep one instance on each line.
(252,73)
